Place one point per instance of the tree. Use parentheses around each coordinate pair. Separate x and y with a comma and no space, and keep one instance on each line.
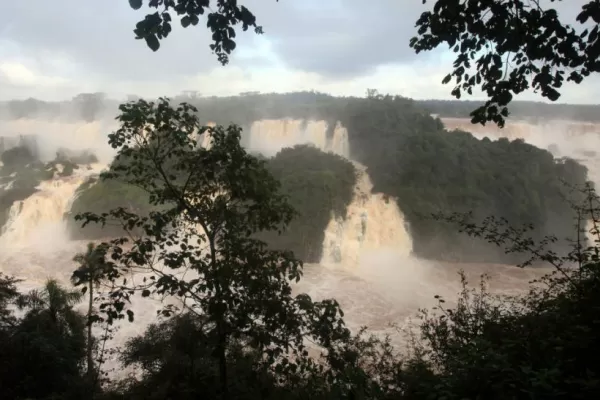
(53,302)
(538,345)
(89,274)
(198,245)
(45,349)
(515,45)
(8,294)
(227,14)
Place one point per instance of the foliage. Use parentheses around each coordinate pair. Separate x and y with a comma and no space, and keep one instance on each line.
(220,20)
(8,294)
(176,360)
(42,353)
(215,200)
(535,112)
(319,185)
(515,46)
(540,345)
(88,274)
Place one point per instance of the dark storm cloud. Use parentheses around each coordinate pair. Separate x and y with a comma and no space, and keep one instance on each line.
(332,37)
(347,38)
(341,38)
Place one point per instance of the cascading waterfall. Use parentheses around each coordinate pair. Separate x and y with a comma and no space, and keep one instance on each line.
(373,223)
(42,213)
(270,136)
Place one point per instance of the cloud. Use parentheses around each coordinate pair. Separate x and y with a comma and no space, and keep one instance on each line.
(340,39)
(19,75)
(337,46)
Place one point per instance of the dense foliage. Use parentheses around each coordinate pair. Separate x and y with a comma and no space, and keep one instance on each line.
(319,185)
(99,196)
(513,45)
(41,351)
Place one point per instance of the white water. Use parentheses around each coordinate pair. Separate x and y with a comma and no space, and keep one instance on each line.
(373,224)
(269,136)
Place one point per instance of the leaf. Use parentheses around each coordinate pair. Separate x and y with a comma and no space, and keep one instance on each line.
(130,315)
(152,42)
(135,4)
(185,21)
(145,293)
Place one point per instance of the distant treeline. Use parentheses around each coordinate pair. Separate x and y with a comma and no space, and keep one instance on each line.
(519,110)
(90,106)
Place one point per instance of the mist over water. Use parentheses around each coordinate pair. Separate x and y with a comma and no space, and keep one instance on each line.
(54,134)
(367,263)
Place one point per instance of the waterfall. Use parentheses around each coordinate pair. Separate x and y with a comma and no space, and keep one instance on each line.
(269,136)
(373,223)
(39,219)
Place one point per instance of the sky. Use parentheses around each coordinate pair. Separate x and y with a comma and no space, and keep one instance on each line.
(54,50)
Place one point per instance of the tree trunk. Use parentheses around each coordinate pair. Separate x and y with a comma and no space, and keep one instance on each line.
(222,361)
(90,357)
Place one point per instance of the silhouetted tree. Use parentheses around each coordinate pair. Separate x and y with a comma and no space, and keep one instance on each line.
(89,274)
(214,201)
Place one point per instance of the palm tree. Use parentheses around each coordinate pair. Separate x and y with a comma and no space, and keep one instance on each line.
(49,342)
(91,266)
(53,302)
